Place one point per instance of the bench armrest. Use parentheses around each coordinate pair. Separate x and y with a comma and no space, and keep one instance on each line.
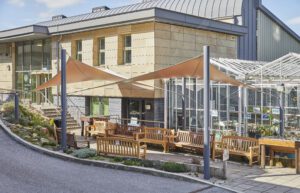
(173,138)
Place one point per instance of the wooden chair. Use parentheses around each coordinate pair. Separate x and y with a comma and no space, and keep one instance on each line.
(97,129)
(154,136)
(191,141)
(121,147)
(240,146)
(122,131)
(72,141)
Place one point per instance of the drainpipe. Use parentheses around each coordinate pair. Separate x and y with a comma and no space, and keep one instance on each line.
(57,61)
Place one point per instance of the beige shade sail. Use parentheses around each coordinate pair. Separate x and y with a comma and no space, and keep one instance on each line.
(78,72)
(192,68)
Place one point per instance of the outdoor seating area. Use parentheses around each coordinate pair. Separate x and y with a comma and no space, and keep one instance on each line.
(132,141)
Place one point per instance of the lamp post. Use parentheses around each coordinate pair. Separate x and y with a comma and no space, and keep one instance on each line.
(206,80)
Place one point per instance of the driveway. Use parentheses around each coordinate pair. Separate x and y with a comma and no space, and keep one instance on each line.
(24,170)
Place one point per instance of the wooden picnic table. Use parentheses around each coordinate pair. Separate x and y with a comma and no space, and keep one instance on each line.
(279,145)
(89,120)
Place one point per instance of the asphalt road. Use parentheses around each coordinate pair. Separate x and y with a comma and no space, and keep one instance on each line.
(25,171)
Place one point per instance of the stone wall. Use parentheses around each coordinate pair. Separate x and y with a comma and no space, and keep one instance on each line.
(174,44)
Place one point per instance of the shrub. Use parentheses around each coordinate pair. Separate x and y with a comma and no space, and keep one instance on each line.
(132,162)
(117,159)
(84,153)
(173,167)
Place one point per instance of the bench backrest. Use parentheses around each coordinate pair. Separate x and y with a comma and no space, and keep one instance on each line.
(157,134)
(100,126)
(238,144)
(192,137)
(71,139)
(117,146)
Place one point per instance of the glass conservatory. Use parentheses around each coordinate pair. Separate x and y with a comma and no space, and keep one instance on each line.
(240,108)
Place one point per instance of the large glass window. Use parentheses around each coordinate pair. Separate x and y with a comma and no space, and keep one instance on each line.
(127,49)
(101,55)
(79,50)
(37,55)
(47,55)
(27,56)
(19,65)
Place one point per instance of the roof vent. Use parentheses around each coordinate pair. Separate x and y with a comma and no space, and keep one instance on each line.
(99,9)
(58,17)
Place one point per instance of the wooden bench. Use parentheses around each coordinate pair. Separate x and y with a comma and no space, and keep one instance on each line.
(240,146)
(121,147)
(122,131)
(72,141)
(154,136)
(97,129)
(191,141)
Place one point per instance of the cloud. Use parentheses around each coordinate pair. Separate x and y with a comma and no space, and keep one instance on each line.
(294,21)
(19,3)
(59,3)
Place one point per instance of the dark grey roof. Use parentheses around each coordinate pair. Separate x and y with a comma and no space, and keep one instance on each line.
(202,8)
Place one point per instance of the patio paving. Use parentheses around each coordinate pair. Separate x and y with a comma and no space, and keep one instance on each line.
(240,176)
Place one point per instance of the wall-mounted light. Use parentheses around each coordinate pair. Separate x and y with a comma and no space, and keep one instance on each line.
(8,67)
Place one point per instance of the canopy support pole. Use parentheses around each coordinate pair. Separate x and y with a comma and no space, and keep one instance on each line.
(206,72)
(166,104)
(281,106)
(63,101)
(240,109)
(16,107)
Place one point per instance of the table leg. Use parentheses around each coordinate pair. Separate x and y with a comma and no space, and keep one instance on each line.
(298,161)
(82,128)
(271,157)
(263,156)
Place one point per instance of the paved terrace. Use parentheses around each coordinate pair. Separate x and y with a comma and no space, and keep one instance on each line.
(241,177)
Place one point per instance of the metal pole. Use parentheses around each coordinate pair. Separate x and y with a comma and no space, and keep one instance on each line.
(183,103)
(206,80)
(281,110)
(57,60)
(63,101)
(17,107)
(166,104)
(240,95)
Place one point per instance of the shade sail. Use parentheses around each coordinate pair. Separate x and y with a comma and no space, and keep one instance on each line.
(79,72)
(192,68)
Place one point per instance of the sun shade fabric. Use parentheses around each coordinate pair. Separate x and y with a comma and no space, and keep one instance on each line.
(79,72)
(192,68)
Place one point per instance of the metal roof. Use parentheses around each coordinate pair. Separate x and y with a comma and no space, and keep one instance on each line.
(286,67)
(238,67)
(202,8)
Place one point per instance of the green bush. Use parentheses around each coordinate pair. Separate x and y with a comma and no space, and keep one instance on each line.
(117,159)
(173,167)
(84,153)
(132,162)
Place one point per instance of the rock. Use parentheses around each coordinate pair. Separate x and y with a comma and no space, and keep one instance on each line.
(44,141)
(34,135)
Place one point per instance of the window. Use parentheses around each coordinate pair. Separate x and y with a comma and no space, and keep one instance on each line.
(127,49)
(101,56)
(79,50)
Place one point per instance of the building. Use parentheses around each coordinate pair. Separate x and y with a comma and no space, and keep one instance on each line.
(136,39)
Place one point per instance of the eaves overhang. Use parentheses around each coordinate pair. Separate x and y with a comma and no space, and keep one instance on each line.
(24,33)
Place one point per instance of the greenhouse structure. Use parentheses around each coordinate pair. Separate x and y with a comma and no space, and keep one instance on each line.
(269,86)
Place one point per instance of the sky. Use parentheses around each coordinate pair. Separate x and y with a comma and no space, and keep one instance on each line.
(16,13)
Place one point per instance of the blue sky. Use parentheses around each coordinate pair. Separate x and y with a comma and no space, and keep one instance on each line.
(15,13)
